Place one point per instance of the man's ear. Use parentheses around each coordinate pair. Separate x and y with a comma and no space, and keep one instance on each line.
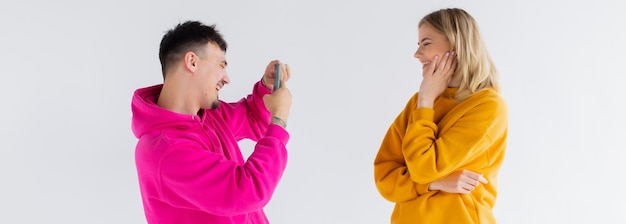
(191,61)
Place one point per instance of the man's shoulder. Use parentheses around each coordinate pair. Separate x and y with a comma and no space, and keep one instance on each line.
(166,138)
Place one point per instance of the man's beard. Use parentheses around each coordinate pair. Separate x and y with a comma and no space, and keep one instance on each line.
(215,104)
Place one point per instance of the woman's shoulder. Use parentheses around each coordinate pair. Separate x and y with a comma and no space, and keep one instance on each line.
(486,98)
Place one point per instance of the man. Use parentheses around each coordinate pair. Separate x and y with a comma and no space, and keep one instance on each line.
(188,162)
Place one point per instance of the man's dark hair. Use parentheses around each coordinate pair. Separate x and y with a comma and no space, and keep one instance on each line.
(185,37)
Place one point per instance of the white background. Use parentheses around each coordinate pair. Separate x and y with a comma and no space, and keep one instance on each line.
(69,68)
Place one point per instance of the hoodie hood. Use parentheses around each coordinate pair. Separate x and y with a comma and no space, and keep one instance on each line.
(148,116)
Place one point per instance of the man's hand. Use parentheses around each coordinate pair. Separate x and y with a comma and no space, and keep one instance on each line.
(269,78)
(279,102)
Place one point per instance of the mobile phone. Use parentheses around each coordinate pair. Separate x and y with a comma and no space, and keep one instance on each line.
(277,78)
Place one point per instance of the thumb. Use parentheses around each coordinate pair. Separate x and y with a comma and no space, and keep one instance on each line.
(282,83)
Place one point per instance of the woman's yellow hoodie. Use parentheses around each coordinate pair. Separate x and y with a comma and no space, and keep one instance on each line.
(427,144)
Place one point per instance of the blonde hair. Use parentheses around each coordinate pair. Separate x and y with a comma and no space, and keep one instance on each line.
(474,64)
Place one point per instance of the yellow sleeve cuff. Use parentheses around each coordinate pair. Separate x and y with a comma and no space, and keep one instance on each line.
(422,189)
(423,114)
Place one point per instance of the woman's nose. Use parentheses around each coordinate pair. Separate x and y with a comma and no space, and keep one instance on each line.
(417,53)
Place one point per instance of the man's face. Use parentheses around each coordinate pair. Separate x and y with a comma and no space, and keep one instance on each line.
(211,75)
(430,43)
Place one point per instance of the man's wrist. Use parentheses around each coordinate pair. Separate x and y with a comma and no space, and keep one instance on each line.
(278,121)
(263,82)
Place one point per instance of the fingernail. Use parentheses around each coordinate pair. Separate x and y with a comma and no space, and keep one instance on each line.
(447,53)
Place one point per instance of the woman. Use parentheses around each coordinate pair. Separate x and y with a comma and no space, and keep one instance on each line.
(440,158)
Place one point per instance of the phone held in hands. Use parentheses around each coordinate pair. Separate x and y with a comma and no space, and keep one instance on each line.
(277,78)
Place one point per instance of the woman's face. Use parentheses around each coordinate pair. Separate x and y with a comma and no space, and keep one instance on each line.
(430,43)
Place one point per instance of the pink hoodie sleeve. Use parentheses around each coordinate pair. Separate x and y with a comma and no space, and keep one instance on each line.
(207,181)
(247,118)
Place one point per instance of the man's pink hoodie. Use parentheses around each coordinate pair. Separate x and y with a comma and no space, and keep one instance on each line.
(190,167)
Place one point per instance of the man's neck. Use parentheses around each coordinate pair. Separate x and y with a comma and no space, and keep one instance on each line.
(176,97)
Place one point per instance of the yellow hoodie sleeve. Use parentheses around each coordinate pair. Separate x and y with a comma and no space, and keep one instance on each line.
(391,175)
(432,153)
